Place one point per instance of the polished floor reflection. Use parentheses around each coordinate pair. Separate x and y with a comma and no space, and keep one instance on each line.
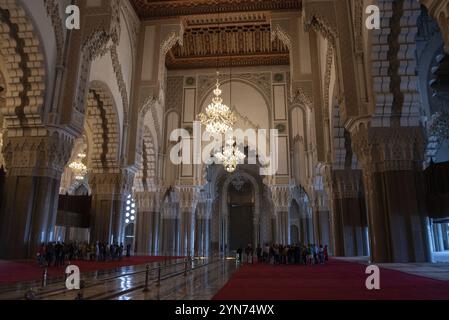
(200,279)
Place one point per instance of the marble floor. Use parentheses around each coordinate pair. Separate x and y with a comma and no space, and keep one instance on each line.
(437,271)
(203,279)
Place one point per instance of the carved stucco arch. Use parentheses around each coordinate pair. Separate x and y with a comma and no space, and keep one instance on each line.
(171,39)
(427,60)
(25,67)
(304,110)
(156,104)
(166,133)
(396,97)
(301,197)
(102,119)
(53,12)
(318,23)
(439,10)
(297,93)
(99,33)
(148,164)
(150,105)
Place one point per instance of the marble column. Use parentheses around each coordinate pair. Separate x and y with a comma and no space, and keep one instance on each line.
(170,231)
(444,229)
(157,230)
(198,237)
(191,226)
(391,159)
(109,192)
(350,213)
(207,237)
(337,229)
(321,226)
(274,229)
(167,237)
(34,166)
(256,229)
(184,232)
(147,230)
(438,237)
(187,231)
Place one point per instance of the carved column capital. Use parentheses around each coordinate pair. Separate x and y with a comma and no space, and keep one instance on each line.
(346,183)
(186,197)
(43,155)
(115,181)
(148,201)
(280,196)
(382,149)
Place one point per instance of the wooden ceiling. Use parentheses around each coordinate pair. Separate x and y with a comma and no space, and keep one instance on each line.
(222,33)
(153,9)
(236,39)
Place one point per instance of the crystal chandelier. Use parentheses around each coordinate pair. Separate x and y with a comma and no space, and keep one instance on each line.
(231,156)
(218,117)
(78,167)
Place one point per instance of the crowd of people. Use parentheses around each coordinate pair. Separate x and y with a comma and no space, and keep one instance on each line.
(58,253)
(302,254)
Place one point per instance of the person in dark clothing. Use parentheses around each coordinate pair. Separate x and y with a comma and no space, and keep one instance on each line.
(128,250)
(239,254)
(259,254)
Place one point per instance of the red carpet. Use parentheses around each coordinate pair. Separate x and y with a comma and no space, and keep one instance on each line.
(11,272)
(334,281)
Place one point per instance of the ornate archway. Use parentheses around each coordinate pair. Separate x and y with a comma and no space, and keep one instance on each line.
(224,212)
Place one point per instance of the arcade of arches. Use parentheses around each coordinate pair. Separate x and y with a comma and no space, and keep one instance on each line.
(362,117)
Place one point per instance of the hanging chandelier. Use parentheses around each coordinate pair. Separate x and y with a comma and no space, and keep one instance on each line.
(78,167)
(218,117)
(231,156)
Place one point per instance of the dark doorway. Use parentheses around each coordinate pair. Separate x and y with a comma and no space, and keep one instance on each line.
(241,207)
(241,226)
(294,234)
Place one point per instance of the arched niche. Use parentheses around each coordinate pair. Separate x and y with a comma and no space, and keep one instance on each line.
(251,105)
(259,220)
(298,141)
(172,122)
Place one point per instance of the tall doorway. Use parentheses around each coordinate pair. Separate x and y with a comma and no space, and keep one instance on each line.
(241,215)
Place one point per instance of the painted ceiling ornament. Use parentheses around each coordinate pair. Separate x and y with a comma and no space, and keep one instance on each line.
(218,117)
